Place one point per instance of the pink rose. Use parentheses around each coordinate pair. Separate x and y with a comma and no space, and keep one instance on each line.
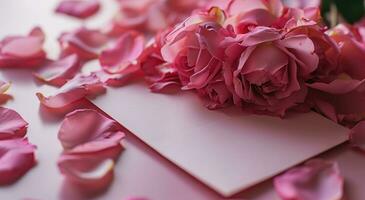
(244,15)
(340,96)
(269,75)
(195,51)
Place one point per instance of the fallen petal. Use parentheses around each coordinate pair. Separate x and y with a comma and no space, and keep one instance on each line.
(316,179)
(60,71)
(16,158)
(86,125)
(23,51)
(123,54)
(119,79)
(88,171)
(77,88)
(78,8)
(86,43)
(12,125)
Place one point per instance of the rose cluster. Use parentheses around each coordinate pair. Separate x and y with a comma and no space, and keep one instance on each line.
(263,57)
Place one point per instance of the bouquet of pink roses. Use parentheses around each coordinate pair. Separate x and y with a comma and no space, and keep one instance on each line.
(263,57)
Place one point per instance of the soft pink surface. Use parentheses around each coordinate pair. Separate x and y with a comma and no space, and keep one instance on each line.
(140,171)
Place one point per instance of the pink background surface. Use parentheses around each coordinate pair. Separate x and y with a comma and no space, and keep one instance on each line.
(140,170)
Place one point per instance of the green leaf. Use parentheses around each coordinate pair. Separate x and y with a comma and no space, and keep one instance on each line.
(352,10)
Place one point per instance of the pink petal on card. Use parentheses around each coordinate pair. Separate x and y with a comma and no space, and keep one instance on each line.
(16,158)
(123,54)
(78,8)
(89,171)
(12,125)
(85,125)
(60,71)
(357,136)
(77,88)
(316,179)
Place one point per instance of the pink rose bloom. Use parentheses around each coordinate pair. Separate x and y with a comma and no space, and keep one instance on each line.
(194,48)
(340,97)
(269,75)
(244,15)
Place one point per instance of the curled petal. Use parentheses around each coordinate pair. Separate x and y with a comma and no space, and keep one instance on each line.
(60,71)
(4,86)
(339,97)
(123,54)
(12,125)
(82,126)
(90,171)
(78,8)
(117,80)
(77,88)
(317,179)
(91,149)
(357,136)
(161,77)
(16,158)
(86,43)
(23,51)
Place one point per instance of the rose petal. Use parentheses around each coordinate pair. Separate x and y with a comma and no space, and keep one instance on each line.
(91,149)
(82,126)
(346,97)
(78,8)
(16,158)
(60,71)
(12,125)
(4,86)
(357,136)
(23,51)
(123,54)
(317,179)
(77,88)
(89,171)
(86,43)
(117,80)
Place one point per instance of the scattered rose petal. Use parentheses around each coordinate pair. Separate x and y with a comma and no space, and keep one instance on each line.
(23,51)
(12,125)
(317,179)
(16,158)
(60,71)
(77,88)
(357,136)
(82,126)
(123,55)
(78,8)
(86,43)
(91,172)
(92,144)
(117,80)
